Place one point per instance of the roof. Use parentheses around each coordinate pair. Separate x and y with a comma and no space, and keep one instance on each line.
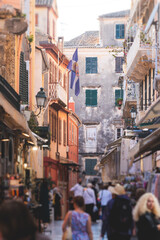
(120,14)
(87,39)
(47,3)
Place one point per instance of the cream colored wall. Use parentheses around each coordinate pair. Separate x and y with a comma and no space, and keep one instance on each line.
(42,19)
(52,18)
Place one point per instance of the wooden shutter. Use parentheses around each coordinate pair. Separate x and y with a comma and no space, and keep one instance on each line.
(120,31)
(60,131)
(118,94)
(91,65)
(36,19)
(119,64)
(91,97)
(64,133)
(89,166)
(23,80)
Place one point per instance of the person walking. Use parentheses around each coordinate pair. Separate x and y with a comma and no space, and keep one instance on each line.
(117,219)
(146,215)
(80,221)
(77,188)
(89,200)
(104,195)
(57,202)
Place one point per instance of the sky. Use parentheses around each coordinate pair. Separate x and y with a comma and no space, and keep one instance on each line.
(79,16)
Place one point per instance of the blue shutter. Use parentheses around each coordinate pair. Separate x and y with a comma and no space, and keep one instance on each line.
(120,31)
(118,94)
(94,65)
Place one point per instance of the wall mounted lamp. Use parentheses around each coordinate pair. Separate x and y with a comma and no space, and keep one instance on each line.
(40,99)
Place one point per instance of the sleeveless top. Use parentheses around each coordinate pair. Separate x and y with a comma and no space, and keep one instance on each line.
(79,226)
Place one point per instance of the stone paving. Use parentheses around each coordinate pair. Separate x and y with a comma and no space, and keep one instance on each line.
(56,230)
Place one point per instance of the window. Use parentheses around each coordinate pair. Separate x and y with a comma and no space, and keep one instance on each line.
(153,87)
(146,92)
(54,124)
(72,133)
(54,30)
(150,93)
(75,135)
(23,80)
(91,98)
(118,133)
(118,94)
(64,133)
(36,19)
(119,64)
(91,65)
(89,166)
(141,92)
(60,131)
(119,31)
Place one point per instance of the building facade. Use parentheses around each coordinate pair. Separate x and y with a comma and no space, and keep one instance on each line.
(100,64)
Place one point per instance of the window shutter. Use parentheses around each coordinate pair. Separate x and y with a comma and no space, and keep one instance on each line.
(91,97)
(64,132)
(60,131)
(91,65)
(94,65)
(94,97)
(119,64)
(118,94)
(88,64)
(120,31)
(23,80)
(89,166)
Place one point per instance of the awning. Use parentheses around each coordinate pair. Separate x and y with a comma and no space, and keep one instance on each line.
(105,158)
(148,145)
(14,119)
(152,112)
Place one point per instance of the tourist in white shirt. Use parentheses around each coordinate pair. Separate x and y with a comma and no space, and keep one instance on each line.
(77,189)
(104,195)
(89,199)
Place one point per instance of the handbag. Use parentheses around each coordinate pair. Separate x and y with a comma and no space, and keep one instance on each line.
(67,235)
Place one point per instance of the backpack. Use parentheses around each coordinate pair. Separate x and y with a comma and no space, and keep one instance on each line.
(121,215)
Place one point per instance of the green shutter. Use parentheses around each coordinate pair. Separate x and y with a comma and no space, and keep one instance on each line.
(89,166)
(91,98)
(91,65)
(118,94)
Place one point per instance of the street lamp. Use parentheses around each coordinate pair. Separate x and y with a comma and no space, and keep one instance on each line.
(133,115)
(40,99)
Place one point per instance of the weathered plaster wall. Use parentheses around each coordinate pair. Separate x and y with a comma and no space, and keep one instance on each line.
(7,57)
(100,117)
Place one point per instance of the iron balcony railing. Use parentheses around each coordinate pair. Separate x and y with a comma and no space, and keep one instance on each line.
(9,93)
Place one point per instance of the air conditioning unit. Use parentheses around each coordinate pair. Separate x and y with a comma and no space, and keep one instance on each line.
(67,149)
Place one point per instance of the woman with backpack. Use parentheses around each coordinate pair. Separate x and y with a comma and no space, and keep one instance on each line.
(146,215)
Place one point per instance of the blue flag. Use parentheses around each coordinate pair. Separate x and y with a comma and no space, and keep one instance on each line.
(73,66)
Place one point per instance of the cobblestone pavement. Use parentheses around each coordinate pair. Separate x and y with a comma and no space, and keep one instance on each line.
(56,230)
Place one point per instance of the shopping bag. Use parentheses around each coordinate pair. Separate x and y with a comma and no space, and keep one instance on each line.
(67,235)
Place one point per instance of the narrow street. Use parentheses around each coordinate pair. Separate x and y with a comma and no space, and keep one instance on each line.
(56,230)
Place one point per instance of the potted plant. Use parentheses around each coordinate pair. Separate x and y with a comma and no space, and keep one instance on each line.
(119,101)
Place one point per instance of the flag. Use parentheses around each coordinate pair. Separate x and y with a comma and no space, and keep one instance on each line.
(73,66)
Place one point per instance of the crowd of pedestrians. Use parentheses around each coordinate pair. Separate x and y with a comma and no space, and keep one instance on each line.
(124,216)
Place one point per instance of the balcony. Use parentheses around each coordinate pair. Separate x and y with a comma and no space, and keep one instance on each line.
(138,10)
(140,57)
(57,92)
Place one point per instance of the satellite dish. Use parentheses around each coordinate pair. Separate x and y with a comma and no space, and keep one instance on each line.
(151,18)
